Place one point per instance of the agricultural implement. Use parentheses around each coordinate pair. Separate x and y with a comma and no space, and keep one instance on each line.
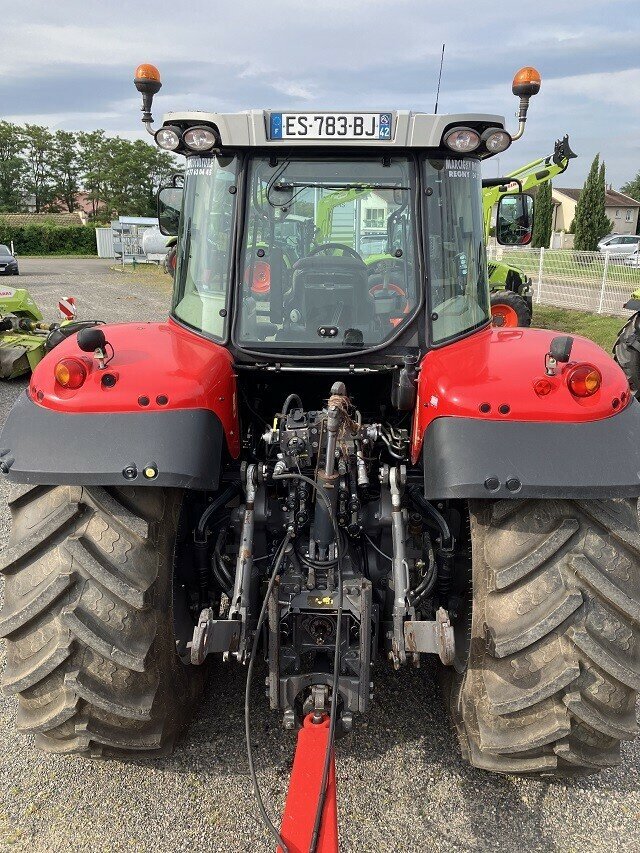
(314,466)
(25,337)
(511,289)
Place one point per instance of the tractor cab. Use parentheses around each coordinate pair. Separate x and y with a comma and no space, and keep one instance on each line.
(330,235)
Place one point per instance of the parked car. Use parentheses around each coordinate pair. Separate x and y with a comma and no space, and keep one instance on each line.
(619,245)
(633,260)
(8,262)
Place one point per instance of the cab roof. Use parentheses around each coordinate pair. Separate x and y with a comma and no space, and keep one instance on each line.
(252,128)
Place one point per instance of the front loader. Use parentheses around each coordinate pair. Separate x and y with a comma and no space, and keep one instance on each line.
(313,476)
(511,289)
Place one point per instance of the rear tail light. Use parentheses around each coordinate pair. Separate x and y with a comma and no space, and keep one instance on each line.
(584,380)
(70,373)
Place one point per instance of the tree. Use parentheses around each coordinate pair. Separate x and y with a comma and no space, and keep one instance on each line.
(12,168)
(543,223)
(632,188)
(94,158)
(591,221)
(65,168)
(38,147)
(604,225)
(134,172)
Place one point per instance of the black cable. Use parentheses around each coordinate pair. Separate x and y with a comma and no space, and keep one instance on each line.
(247,728)
(316,564)
(215,505)
(425,587)
(427,509)
(289,401)
(320,490)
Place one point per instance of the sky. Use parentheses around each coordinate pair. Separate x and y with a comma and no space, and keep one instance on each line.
(69,64)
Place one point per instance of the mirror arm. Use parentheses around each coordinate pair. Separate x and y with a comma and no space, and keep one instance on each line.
(522,117)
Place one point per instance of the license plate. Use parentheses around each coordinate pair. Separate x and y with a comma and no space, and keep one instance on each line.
(360,126)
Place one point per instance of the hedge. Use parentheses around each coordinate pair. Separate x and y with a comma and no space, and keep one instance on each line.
(49,239)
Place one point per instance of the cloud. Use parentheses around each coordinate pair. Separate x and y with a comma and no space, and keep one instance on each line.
(75,69)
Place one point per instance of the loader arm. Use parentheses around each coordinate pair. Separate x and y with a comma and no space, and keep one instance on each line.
(326,206)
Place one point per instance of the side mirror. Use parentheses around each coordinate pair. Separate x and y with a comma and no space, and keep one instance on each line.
(169,207)
(514,220)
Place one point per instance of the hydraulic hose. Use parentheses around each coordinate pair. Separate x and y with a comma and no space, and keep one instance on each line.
(213,507)
(247,695)
(431,512)
(445,551)
(287,403)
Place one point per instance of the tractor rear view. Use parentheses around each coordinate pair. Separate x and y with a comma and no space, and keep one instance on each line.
(327,462)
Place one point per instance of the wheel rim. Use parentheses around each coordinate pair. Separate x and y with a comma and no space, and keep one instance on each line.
(504,315)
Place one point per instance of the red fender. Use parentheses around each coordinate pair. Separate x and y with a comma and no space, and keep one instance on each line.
(157,366)
(493,375)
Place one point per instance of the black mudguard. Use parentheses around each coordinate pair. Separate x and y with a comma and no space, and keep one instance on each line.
(41,446)
(473,458)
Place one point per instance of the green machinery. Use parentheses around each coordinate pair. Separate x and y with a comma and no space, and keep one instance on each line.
(22,333)
(24,336)
(511,289)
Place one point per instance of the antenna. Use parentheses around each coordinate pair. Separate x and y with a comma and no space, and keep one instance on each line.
(439,79)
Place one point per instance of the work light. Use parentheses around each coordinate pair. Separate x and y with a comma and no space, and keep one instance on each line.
(199,138)
(462,139)
(496,140)
(168,138)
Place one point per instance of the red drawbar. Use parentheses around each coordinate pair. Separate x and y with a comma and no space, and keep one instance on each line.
(155,367)
(304,791)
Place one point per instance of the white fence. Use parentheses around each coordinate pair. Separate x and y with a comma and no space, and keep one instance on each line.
(588,281)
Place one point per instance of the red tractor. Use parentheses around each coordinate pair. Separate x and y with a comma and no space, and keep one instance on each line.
(327,452)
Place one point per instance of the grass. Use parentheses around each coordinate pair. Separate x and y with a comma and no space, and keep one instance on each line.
(599,328)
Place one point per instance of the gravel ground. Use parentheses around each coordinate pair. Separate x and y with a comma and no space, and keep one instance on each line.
(402,784)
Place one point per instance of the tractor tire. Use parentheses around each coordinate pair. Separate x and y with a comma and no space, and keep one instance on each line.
(88,619)
(509,310)
(626,352)
(549,681)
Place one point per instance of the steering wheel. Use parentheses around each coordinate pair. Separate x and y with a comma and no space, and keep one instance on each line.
(346,250)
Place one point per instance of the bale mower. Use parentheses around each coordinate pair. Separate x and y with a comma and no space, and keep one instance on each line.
(25,337)
(511,289)
(328,473)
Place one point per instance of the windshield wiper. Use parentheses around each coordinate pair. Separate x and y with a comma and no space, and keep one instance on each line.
(282,186)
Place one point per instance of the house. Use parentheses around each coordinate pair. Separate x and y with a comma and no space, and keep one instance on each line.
(621,209)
